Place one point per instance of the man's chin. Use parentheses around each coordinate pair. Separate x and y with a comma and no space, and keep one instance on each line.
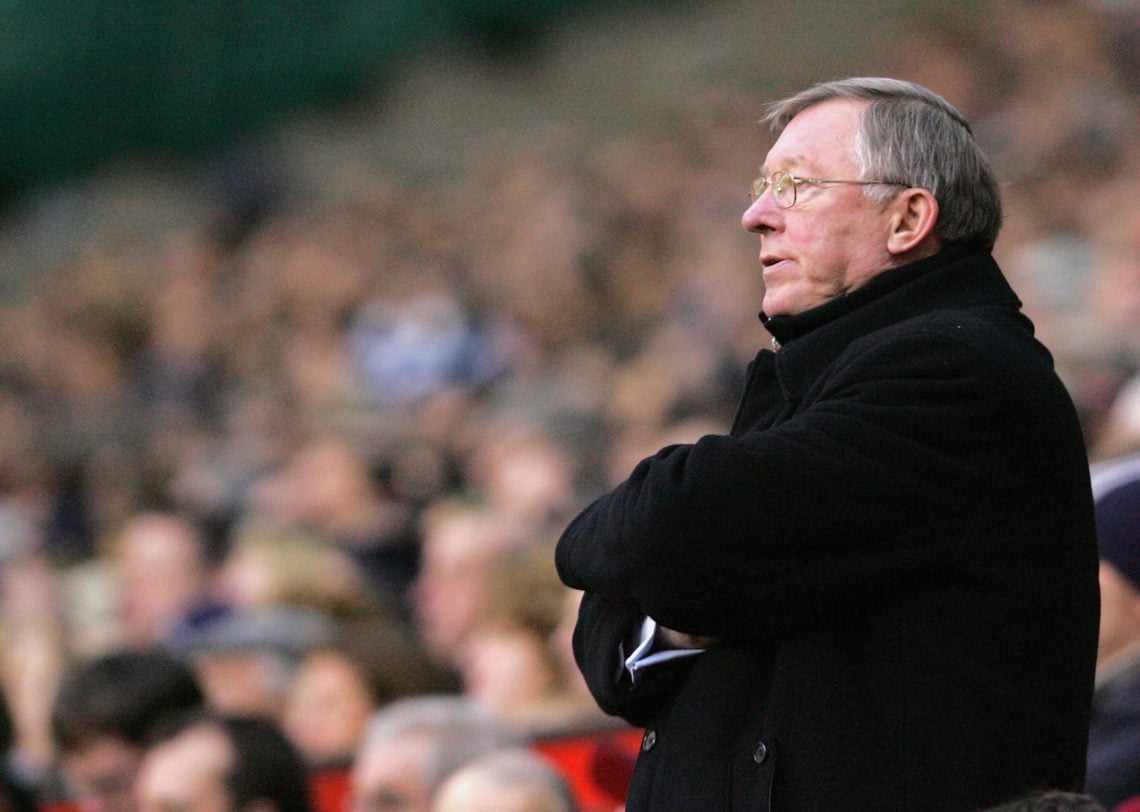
(776,306)
(779,303)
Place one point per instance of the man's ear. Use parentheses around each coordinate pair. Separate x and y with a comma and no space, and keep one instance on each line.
(914,214)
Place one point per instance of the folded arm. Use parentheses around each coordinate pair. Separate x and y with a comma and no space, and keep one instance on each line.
(750,535)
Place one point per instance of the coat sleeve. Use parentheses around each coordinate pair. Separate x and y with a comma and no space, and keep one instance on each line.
(751,535)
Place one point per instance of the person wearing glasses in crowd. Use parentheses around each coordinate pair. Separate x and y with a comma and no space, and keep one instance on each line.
(878,590)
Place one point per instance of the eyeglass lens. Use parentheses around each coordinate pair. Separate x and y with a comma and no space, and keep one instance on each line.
(783,189)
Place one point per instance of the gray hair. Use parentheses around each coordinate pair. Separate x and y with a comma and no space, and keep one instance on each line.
(911,135)
(459,730)
(524,770)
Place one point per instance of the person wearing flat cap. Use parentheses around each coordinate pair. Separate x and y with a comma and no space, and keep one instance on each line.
(1114,737)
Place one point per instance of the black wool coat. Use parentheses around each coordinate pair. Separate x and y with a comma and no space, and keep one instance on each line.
(894,549)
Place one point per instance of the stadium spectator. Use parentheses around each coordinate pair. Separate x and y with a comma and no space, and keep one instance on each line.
(210,763)
(164,574)
(506,781)
(103,714)
(413,745)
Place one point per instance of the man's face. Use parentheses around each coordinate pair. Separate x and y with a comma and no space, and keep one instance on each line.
(327,707)
(186,774)
(451,586)
(390,777)
(834,239)
(102,773)
(158,560)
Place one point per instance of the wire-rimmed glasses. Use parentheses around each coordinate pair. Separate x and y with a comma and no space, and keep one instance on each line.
(785,184)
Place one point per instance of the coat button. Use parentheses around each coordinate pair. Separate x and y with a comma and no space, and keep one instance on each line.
(648,740)
(760,754)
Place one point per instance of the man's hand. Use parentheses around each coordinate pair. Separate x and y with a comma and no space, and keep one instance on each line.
(677,639)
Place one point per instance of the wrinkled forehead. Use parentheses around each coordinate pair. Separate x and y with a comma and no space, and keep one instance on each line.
(820,139)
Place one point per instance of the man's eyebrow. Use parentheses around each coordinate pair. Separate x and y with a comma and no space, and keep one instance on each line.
(790,163)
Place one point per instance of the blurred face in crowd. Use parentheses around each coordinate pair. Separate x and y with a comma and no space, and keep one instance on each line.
(159,563)
(102,773)
(525,474)
(450,590)
(469,790)
(834,239)
(327,707)
(507,669)
(1119,615)
(186,774)
(243,681)
(390,777)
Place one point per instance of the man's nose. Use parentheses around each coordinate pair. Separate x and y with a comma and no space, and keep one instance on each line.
(762,214)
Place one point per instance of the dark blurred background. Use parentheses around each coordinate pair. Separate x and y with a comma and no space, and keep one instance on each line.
(85,82)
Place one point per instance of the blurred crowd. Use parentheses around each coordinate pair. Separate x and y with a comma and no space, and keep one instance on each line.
(318,442)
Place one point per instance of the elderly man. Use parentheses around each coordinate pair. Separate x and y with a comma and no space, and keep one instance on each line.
(879,589)
(414,744)
(515,780)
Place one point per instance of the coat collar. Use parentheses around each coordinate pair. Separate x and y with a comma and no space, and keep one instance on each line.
(954,278)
